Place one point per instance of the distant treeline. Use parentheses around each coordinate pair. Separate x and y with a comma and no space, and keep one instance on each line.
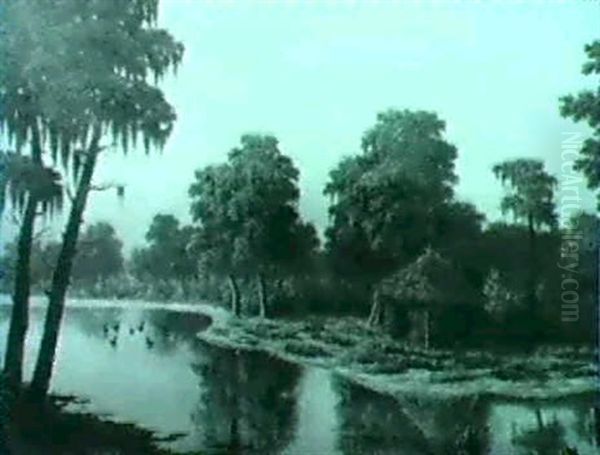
(400,247)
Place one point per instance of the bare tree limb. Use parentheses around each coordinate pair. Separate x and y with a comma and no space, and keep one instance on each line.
(104,187)
(15,218)
(100,149)
(70,194)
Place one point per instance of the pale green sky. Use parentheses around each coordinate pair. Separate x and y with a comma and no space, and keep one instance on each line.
(316,73)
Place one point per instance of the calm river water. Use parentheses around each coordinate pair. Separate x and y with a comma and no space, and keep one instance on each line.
(146,367)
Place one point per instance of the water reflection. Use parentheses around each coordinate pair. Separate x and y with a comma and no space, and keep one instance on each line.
(147,367)
(376,424)
(544,438)
(542,428)
(120,373)
(248,402)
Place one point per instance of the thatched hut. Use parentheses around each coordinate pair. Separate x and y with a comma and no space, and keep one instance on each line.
(422,288)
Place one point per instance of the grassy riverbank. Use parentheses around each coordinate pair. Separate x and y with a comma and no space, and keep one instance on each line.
(371,358)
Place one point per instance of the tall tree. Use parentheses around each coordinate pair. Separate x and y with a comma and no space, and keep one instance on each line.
(248,212)
(530,198)
(90,68)
(32,187)
(385,201)
(585,106)
(21,121)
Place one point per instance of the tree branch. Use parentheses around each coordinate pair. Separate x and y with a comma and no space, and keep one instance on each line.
(70,194)
(100,149)
(104,187)
(15,218)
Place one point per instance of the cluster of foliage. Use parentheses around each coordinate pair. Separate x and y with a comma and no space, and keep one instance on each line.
(246,212)
(73,73)
(77,72)
(394,210)
(585,106)
(99,258)
(167,258)
(398,239)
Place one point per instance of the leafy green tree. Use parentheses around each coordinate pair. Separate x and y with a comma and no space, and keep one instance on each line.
(505,246)
(248,215)
(585,106)
(99,255)
(218,239)
(458,231)
(32,188)
(268,203)
(168,256)
(387,201)
(40,265)
(530,199)
(87,65)
(24,121)
(19,123)
(579,253)
(499,299)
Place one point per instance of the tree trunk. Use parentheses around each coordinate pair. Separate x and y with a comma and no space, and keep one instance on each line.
(426,329)
(262,296)
(532,279)
(597,406)
(235,297)
(376,310)
(596,420)
(234,434)
(539,418)
(185,289)
(15,347)
(234,427)
(62,273)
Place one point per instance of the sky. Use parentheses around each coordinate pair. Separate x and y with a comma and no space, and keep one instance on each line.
(316,73)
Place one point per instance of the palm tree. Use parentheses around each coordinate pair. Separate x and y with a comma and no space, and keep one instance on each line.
(530,198)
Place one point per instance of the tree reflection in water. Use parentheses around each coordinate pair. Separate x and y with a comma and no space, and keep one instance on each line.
(248,404)
(374,426)
(549,435)
(378,424)
(546,438)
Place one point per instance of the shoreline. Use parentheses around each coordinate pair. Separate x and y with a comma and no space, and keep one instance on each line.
(348,348)
(367,357)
